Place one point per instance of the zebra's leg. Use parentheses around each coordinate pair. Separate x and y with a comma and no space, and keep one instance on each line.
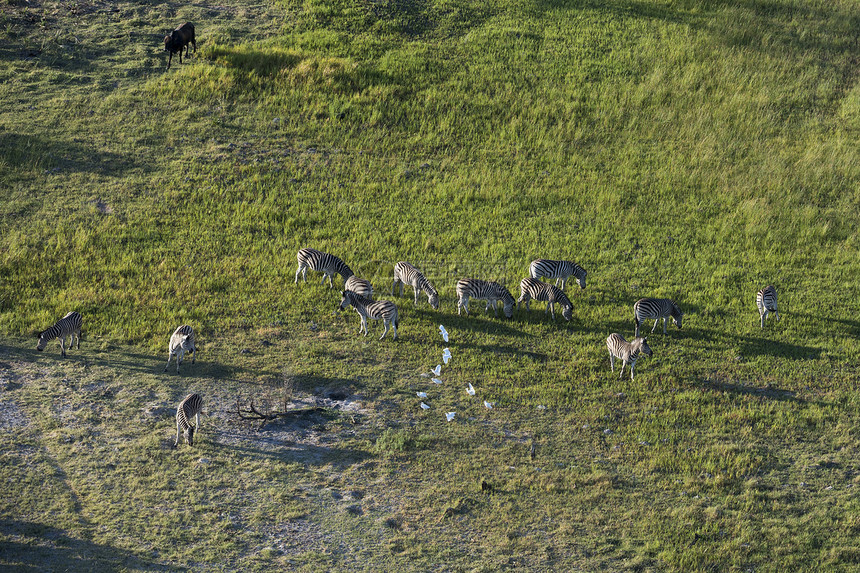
(298,270)
(623,364)
(193,353)
(632,366)
(179,355)
(63,345)
(169,356)
(416,291)
(363,325)
(763,315)
(665,319)
(551,310)
(197,422)
(178,425)
(78,334)
(611,361)
(495,306)
(394,284)
(563,282)
(636,325)
(385,323)
(655,324)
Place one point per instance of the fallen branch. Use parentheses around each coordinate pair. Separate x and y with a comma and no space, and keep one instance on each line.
(252,413)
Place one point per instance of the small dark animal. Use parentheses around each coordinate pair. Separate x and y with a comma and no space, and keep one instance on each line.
(179,39)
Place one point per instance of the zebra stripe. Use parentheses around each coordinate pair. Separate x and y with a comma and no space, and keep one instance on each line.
(628,352)
(531,288)
(374,310)
(765,300)
(322,262)
(406,274)
(68,326)
(656,308)
(181,341)
(492,292)
(558,270)
(188,408)
(359,286)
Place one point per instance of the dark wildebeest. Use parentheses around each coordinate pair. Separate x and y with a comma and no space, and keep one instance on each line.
(178,39)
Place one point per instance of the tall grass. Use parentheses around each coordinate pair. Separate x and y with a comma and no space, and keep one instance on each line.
(688,149)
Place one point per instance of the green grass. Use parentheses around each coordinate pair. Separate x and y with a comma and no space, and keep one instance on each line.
(690,149)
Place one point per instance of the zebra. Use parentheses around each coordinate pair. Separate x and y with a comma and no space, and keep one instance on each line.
(68,326)
(359,286)
(374,310)
(406,274)
(181,341)
(656,308)
(558,270)
(765,299)
(531,288)
(188,408)
(323,262)
(491,291)
(628,352)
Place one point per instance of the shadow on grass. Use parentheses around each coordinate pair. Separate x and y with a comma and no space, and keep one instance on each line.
(769,392)
(29,546)
(56,155)
(753,346)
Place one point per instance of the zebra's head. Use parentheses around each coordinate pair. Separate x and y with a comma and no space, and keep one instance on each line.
(580,278)
(189,435)
(567,311)
(677,315)
(509,307)
(346,298)
(643,345)
(43,341)
(433,299)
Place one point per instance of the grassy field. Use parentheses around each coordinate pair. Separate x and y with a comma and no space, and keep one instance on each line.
(697,150)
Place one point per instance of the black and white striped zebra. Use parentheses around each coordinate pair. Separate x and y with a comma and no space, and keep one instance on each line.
(490,291)
(189,408)
(531,288)
(67,327)
(765,300)
(359,286)
(181,341)
(558,270)
(322,262)
(656,308)
(406,274)
(628,352)
(374,310)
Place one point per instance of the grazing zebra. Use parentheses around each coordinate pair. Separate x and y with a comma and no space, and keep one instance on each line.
(374,310)
(558,270)
(68,326)
(491,291)
(181,341)
(765,299)
(359,286)
(406,274)
(188,408)
(534,289)
(322,262)
(628,352)
(656,308)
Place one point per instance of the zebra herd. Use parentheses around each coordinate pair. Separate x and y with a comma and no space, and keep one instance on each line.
(358,293)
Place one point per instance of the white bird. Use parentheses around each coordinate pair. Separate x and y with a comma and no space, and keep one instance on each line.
(424,406)
(444,333)
(436,380)
(450,416)
(438,370)
(470,390)
(446,355)
(421,394)
(541,407)
(488,405)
